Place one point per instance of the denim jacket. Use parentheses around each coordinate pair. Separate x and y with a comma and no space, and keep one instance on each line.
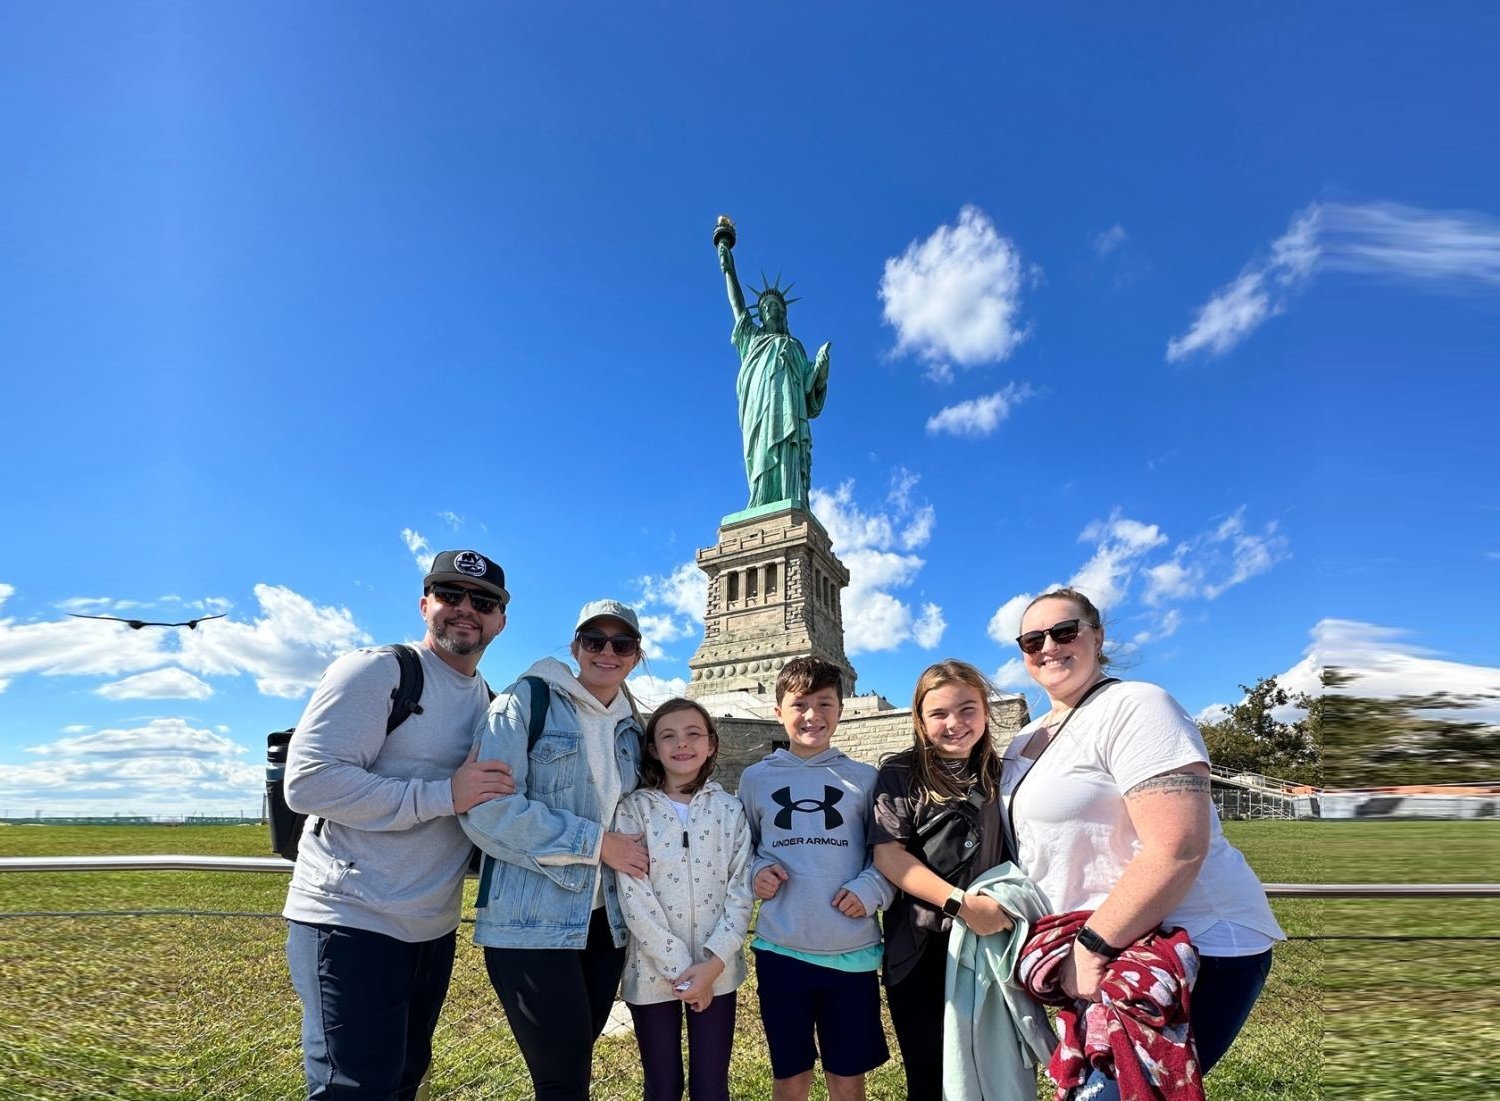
(542,844)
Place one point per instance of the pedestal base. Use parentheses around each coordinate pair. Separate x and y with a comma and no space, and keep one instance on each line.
(774,585)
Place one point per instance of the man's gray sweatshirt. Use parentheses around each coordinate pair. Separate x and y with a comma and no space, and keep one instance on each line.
(390,856)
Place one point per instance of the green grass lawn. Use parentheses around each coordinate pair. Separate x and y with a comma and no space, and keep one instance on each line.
(148,1007)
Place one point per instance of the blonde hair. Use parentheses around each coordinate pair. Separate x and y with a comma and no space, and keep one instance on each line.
(936,783)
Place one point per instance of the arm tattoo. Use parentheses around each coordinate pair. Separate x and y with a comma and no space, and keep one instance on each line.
(1171,783)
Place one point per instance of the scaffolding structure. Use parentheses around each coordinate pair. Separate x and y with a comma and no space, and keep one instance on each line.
(1240,795)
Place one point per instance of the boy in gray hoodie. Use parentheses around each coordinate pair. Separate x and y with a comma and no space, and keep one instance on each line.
(817,944)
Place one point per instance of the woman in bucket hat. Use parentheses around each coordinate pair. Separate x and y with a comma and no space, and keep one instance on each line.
(548,913)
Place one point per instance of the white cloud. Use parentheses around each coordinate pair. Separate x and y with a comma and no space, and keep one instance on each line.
(1210,564)
(1252,555)
(1201,568)
(1386,664)
(420,549)
(956,296)
(683,591)
(978,416)
(874,621)
(1213,713)
(659,631)
(1005,624)
(1261,291)
(928,630)
(79,647)
(1439,250)
(1226,319)
(683,594)
(1013,675)
(159,684)
(919,531)
(1111,239)
(1165,627)
(452,519)
(95,605)
(662,628)
(876,547)
(1175,580)
(903,481)
(1457,248)
(848,527)
(285,650)
(651,692)
(1122,543)
(166,766)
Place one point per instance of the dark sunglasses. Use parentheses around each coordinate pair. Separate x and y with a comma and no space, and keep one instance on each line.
(623,645)
(453,596)
(1062,634)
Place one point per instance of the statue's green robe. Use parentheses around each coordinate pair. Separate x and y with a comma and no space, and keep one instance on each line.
(779,392)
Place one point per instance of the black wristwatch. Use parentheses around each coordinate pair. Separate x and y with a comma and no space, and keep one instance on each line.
(1097,944)
(954,902)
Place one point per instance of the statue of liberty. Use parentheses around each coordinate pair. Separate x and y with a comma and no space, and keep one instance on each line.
(779,389)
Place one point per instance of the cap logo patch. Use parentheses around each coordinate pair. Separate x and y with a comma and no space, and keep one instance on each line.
(471,563)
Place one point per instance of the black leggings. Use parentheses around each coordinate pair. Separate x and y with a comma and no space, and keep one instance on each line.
(916,1005)
(557,1001)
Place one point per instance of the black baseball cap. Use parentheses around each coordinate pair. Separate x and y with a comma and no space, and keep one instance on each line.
(468,565)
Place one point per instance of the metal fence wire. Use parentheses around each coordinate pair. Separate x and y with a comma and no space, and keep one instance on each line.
(140,1006)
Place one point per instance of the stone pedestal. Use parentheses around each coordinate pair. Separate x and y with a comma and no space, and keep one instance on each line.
(774,587)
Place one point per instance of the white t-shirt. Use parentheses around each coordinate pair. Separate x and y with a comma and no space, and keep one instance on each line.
(1075,835)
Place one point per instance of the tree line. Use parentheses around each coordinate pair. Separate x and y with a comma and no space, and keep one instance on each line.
(1340,739)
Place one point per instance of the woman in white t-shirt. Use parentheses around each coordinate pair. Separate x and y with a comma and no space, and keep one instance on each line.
(1108,798)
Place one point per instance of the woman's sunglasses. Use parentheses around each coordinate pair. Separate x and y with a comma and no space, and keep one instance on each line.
(453,596)
(622,645)
(1062,634)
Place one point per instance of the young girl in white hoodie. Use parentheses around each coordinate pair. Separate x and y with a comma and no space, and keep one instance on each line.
(689,916)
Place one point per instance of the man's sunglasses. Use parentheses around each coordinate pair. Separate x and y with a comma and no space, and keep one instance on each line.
(453,596)
(623,645)
(1062,634)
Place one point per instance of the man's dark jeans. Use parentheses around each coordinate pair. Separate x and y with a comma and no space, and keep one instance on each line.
(370,1004)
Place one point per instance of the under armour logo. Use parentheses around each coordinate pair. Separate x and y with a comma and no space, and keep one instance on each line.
(832,819)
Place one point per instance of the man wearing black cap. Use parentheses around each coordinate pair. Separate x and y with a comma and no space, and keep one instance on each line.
(376,892)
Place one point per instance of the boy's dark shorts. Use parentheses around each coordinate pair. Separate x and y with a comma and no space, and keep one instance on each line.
(797,997)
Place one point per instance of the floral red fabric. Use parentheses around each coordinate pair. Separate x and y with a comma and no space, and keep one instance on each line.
(1138,1029)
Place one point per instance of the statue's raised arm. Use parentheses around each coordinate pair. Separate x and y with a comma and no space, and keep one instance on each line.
(779,389)
(724,243)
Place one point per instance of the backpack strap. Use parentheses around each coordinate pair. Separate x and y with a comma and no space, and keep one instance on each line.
(406,696)
(541,697)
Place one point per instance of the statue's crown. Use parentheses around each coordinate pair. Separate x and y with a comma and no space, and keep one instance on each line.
(773,289)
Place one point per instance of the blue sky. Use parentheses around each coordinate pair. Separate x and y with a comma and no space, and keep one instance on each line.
(1197,308)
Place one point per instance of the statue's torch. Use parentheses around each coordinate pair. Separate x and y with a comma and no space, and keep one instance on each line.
(724,232)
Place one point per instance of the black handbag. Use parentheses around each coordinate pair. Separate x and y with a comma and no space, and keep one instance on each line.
(948,842)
